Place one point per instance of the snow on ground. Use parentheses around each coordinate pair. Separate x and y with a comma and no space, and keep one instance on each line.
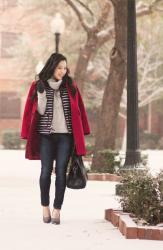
(82,227)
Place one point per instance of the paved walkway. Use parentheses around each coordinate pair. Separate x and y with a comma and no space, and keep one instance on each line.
(82,217)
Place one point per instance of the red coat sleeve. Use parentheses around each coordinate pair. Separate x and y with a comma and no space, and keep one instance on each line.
(27,113)
(84,117)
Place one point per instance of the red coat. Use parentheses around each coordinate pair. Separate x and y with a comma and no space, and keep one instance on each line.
(80,126)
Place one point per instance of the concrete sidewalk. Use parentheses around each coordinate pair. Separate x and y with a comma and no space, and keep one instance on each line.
(82,216)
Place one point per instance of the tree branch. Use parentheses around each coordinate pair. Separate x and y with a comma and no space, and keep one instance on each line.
(142,10)
(103,18)
(105,36)
(86,7)
(79,15)
(145,9)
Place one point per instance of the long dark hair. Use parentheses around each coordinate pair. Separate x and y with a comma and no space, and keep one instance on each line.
(49,68)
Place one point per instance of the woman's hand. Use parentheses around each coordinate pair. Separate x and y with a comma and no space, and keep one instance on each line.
(40,86)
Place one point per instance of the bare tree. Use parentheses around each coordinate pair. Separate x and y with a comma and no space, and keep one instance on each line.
(150,80)
(106,124)
(107,120)
(97,35)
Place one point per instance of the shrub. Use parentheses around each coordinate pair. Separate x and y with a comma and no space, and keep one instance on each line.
(160,181)
(90,149)
(108,161)
(11,139)
(141,195)
(148,140)
(160,143)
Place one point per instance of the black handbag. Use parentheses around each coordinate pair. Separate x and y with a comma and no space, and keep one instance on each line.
(77,176)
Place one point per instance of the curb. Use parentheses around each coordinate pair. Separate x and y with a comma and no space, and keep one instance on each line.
(103,177)
(130,229)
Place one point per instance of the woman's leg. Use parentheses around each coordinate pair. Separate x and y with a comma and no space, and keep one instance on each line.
(46,154)
(63,152)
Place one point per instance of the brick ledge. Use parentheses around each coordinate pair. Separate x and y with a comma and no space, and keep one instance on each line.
(104,177)
(130,229)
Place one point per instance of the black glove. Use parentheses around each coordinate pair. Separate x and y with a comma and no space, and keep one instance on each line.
(40,86)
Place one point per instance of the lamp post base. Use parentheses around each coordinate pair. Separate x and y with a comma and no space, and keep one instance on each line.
(133,160)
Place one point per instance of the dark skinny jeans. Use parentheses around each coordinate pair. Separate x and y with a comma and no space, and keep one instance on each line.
(60,145)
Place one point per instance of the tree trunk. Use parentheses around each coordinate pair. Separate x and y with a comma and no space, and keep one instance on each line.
(84,57)
(107,120)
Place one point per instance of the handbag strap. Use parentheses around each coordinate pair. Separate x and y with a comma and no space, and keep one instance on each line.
(74,154)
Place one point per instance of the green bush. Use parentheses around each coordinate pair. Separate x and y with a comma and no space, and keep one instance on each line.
(160,181)
(160,143)
(11,139)
(141,195)
(149,140)
(90,149)
(106,161)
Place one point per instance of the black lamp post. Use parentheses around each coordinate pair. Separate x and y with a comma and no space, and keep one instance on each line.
(133,158)
(57,28)
(57,38)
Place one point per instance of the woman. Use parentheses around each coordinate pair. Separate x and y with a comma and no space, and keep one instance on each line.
(54,122)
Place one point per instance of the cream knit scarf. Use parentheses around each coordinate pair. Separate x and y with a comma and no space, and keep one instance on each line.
(54,84)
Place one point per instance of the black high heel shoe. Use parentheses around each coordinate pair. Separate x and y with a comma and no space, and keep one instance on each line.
(47,219)
(56,219)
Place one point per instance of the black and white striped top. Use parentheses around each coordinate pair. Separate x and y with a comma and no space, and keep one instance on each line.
(45,122)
